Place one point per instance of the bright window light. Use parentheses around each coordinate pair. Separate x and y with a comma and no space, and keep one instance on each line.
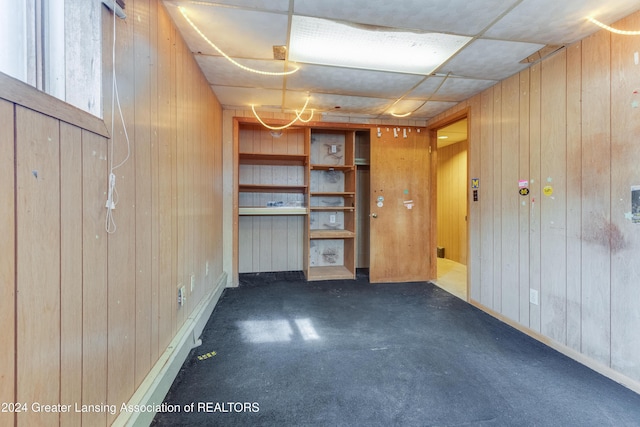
(325,42)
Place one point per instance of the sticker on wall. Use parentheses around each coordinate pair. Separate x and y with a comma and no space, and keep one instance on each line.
(380,204)
(475,195)
(475,183)
(408,204)
(547,190)
(524,191)
(523,183)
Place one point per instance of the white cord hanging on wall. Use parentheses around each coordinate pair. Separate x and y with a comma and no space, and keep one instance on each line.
(112,192)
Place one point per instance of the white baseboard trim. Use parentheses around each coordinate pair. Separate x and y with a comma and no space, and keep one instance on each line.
(158,381)
(600,368)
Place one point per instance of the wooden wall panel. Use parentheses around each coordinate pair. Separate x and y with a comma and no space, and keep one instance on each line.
(122,241)
(144,181)
(91,312)
(37,262)
(183,175)
(624,235)
(474,218)
(578,121)
(496,190)
(70,270)
(535,186)
(95,170)
(525,202)
(596,197)
(553,218)
(486,234)
(154,130)
(574,195)
(510,199)
(7,260)
(166,287)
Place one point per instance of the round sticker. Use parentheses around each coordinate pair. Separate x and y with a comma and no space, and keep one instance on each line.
(380,204)
(547,190)
(524,191)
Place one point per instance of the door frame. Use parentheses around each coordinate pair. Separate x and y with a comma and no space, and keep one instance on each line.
(432,129)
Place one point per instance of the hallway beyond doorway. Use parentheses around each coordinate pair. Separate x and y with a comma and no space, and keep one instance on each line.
(452,277)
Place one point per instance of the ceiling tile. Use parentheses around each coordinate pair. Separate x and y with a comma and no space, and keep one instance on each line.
(490,59)
(237,32)
(459,89)
(316,78)
(433,108)
(452,16)
(219,71)
(562,22)
(349,104)
(405,106)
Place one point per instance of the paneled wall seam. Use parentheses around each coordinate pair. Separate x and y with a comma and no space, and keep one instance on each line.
(15,260)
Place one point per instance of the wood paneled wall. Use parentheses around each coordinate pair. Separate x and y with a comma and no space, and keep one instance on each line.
(570,122)
(452,201)
(86,314)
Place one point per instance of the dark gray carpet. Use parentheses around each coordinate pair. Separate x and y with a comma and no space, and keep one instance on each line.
(350,353)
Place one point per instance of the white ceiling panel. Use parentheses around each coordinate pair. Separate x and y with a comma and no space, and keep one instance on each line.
(433,108)
(490,59)
(459,89)
(562,22)
(505,32)
(352,104)
(220,72)
(453,16)
(405,106)
(237,32)
(317,78)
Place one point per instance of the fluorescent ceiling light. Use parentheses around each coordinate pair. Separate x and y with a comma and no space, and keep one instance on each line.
(325,42)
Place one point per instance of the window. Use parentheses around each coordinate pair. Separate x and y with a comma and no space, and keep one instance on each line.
(55,46)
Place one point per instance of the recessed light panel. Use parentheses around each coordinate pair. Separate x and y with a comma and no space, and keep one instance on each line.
(321,41)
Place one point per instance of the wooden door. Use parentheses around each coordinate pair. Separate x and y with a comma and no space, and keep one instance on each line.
(401,219)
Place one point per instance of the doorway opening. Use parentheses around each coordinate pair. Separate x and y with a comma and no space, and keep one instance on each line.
(452,208)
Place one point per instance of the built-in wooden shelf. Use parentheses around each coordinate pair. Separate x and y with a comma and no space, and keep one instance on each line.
(331,234)
(332,208)
(270,188)
(343,168)
(330,273)
(335,194)
(273,159)
(259,211)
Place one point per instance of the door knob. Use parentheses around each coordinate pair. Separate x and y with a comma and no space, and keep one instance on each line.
(374,215)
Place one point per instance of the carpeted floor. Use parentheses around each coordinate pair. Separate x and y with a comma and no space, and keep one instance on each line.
(279,351)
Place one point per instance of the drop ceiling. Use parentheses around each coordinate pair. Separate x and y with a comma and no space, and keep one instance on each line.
(500,34)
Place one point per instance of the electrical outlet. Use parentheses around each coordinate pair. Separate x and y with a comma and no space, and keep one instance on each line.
(533,296)
(193,282)
(332,219)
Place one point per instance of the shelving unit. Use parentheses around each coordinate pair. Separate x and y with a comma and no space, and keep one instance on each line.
(296,199)
(332,205)
(273,198)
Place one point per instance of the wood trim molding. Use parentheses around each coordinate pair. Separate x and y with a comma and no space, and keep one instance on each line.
(18,92)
